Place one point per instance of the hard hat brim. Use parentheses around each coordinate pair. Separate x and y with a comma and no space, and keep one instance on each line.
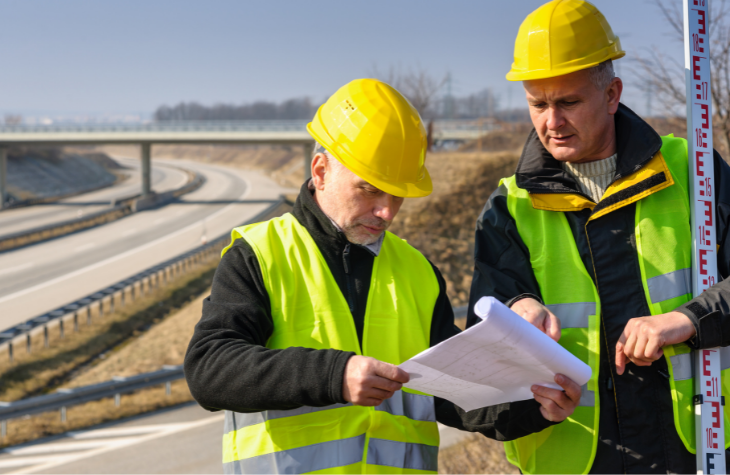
(514,75)
(418,189)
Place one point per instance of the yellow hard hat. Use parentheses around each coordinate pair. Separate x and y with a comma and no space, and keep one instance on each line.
(561,37)
(377,134)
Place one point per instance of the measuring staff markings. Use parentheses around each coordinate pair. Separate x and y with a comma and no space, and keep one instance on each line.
(709,414)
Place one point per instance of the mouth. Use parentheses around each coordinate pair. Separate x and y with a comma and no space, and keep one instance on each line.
(561,140)
(372,229)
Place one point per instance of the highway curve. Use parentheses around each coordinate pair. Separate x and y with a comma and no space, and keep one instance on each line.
(163,178)
(42,277)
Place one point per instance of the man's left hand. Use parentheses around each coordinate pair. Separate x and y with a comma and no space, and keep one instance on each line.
(643,338)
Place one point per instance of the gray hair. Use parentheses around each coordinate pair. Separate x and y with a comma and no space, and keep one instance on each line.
(335,165)
(602,75)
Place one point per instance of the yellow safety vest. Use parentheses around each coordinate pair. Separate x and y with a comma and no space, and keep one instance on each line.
(309,310)
(663,244)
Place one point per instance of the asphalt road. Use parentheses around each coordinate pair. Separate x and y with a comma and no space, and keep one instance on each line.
(164,178)
(39,278)
(185,439)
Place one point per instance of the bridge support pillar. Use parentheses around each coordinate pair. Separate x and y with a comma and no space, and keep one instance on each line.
(146,149)
(3,175)
(308,150)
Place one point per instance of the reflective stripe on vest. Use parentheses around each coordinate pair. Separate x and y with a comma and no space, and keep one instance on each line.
(309,310)
(663,243)
(683,365)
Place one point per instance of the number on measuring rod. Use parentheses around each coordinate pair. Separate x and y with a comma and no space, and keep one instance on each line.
(708,400)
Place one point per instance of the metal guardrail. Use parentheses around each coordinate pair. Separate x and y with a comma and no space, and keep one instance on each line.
(106,299)
(64,398)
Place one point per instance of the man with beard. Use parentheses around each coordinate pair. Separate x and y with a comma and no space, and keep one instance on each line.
(310,313)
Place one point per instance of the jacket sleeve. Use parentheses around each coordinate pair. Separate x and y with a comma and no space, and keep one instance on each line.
(710,311)
(227,365)
(502,269)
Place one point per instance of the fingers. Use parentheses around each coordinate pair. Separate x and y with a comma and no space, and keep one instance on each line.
(557,405)
(571,388)
(391,372)
(552,325)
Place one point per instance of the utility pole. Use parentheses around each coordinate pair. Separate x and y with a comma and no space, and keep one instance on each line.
(708,400)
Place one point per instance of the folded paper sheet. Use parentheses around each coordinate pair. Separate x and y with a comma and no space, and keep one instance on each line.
(493,362)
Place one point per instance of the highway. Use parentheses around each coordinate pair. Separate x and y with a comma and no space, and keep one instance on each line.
(164,178)
(41,277)
(185,439)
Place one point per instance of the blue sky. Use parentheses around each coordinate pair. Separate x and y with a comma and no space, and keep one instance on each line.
(117,57)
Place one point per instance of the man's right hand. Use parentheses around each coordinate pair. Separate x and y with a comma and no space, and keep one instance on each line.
(368,382)
(539,315)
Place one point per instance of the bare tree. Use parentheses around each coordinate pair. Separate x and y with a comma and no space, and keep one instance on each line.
(665,76)
(418,85)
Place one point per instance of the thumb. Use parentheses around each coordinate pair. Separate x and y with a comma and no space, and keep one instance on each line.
(552,326)
(392,372)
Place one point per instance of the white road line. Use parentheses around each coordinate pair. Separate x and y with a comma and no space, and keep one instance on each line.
(46,465)
(57,447)
(85,247)
(123,255)
(122,431)
(10,270)
(22,461)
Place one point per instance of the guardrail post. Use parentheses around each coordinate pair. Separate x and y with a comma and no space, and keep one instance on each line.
(111,303)
(27,342)
(168,388)
(117,399)
(60,327)
(101,307)
(63,414)
(3,429)
(88,314)
(10,350)
(131,291)
(45,336)
(308,151)
(76,321)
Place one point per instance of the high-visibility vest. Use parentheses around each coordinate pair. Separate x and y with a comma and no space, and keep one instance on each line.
(309,310)
(663,244)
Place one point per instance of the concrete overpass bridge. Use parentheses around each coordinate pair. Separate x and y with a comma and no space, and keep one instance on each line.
(212,132)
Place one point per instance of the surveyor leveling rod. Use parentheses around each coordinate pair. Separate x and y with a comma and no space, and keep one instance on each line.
(708,401)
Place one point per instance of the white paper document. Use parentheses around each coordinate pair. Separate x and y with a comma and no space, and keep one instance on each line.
(495,361)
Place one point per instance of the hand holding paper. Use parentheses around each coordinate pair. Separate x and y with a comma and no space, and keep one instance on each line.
(496,361)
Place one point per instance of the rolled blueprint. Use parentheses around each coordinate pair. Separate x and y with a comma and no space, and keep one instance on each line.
(493,362)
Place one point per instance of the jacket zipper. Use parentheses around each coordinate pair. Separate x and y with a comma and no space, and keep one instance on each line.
(346,262)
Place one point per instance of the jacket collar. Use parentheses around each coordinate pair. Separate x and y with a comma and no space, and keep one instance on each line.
(640,171)
(636,144)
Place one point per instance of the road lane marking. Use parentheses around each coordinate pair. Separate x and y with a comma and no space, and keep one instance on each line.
(130,252)
(47,463)
(10,270)
(85,247)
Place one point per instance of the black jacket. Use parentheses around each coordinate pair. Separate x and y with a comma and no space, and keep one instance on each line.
(636,428)
(228,366)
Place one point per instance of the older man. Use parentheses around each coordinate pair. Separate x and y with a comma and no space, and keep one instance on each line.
(309,313)
(590,240)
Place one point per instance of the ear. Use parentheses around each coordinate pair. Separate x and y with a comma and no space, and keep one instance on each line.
(613,95)
(319,170)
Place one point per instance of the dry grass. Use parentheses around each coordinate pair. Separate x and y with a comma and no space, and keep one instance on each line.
(442,224)
(475,454)
(143,336)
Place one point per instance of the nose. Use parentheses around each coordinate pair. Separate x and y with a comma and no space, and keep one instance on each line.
(555,119)
(387,207)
